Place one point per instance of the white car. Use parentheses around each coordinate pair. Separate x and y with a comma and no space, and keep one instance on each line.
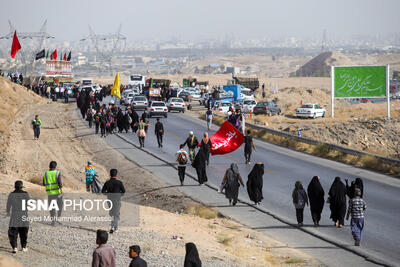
(139,102)
(124,94)
(244,96)
(224,107)
(196,96)
(176,103)
(128,99)
(310,111)
(158,108)
(248,105)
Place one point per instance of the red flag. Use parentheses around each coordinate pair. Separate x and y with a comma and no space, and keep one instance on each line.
(227,139)
(65,57)
(55,55)
(15,45)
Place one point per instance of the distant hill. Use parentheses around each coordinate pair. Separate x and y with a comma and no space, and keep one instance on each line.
(320,66)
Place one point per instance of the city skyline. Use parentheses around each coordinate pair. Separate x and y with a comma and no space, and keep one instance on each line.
(189,20)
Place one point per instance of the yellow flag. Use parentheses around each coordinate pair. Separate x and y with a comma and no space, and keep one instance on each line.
(115,90)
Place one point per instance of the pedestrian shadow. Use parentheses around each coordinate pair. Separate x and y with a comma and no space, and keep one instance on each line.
(305,247)
(229,206)
(292,226)
(160,165)
(83,135)
(164,187)
(5,249)
(109,149)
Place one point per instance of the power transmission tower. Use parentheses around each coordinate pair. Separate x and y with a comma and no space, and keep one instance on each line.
(324,44)
(31,43)
(106,45)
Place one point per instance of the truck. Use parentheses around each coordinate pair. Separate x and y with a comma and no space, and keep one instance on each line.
(189,82)
(252,83)
(193,82)
(154,88)
(137,81)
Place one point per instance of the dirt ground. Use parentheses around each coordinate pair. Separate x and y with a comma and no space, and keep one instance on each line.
(67,140)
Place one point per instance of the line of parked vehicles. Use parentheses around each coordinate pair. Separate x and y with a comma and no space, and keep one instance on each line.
(269,108)
(137,101)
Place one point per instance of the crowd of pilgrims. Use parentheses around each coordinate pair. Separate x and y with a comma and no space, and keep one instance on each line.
(315,197)
(111,118)
(107,119)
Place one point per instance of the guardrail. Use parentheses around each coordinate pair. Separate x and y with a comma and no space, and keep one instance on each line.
(355,152)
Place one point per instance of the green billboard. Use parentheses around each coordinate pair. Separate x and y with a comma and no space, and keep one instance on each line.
(359,81)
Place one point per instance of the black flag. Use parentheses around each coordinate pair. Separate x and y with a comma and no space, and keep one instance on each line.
(40,55)
(69,56)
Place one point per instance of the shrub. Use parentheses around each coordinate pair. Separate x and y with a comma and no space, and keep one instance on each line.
(322,150)
(201,211)
(225,240)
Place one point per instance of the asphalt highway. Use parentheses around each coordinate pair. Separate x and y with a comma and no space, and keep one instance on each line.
(283,167)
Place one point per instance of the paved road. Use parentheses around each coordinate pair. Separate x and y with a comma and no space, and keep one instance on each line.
(282,168)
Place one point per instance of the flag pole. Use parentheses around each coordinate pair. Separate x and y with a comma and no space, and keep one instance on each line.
(333,91)
(388,91)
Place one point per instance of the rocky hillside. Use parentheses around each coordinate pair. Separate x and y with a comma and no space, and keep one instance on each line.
(320,66)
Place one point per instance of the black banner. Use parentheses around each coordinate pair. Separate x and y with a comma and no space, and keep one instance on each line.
(40,55)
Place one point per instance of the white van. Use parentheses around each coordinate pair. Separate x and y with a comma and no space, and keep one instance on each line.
(137,80)
(86,82)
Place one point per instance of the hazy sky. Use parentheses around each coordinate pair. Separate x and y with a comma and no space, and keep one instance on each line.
(195,19)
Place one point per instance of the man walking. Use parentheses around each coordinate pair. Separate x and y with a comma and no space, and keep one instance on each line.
(209,115)
(36,123)
(159,132)
(17,226)
(145,118)
(66,96)
(114,189)
(53,184)
(97,121)
(142,132)
(57,93)
(134,254)
(263,90)
(248,146)
(182,159)
(103,125)
(103,255)
(356,208)
(192,143)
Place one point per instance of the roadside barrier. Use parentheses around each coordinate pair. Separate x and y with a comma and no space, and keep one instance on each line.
(355,152)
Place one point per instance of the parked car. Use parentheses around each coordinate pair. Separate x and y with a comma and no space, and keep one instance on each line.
(184,95)
(266,107)
(248,105)
(195,96)
(139,102)
(176,103)
(224,106)
(158,108)
(216,104)
(239,104)
(310,111)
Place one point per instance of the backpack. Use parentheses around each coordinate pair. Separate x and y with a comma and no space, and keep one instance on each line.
(182,158)
(97,186)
